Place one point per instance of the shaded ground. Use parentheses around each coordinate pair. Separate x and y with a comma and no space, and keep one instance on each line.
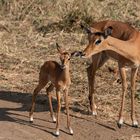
(15,125)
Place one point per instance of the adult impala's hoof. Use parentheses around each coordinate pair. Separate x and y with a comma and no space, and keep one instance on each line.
(57,133)
(53,119)
(120,123)
(71,131)
(135,124)
(31,119)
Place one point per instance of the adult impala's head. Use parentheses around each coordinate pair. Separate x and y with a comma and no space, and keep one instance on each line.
(97,41)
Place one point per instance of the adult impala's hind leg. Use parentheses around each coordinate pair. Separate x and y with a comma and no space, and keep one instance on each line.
(49,90)
(124,88)
(67,110)
(133,90)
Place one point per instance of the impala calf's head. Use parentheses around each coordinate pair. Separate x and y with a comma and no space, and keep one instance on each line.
(65,56)
(97,41)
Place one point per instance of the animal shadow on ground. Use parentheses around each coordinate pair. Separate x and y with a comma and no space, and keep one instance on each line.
(24,101)
(42,105)
(16,102)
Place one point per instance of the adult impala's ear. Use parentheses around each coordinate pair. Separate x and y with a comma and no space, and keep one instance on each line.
(59,48)
(88,31)
(108,31)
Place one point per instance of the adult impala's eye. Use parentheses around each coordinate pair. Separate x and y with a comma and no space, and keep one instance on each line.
(97,42)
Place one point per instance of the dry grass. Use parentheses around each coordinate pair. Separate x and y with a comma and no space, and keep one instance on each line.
(29,30)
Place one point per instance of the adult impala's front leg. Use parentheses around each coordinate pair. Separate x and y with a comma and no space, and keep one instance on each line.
(133,90)
(97,61)
(91,80)
(67,110)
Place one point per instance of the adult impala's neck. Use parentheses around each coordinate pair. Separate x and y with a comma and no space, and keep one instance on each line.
(128,49)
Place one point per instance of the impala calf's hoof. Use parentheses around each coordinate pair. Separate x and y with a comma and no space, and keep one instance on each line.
(71,131)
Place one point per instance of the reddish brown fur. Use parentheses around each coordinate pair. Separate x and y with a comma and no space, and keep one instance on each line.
(59,77)
(121,31)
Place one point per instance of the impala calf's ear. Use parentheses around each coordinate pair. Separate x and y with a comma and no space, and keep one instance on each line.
(59,48)
(108,31)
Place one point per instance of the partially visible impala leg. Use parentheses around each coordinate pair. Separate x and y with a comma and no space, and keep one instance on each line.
(49,90)
(124,89)
(67,110)
(133,90)
(58,111)
(97,61)
(91,80)
(36,91)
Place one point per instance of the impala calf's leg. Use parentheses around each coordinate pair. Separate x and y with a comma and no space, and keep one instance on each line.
(124,89)
(36,91)
(133,90)
(58,112)
(49,90)
(67,110)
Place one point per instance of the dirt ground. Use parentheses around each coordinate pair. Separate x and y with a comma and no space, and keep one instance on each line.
(21,55)
(15,124)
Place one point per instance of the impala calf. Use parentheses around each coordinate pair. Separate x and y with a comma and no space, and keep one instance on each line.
(59,76)
(126,52)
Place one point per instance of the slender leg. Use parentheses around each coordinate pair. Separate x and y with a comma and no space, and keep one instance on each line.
(58,111)
(124,89)
(67,110)
(133,90)
(36,91)
(91,80)
(49,90)
(97,61)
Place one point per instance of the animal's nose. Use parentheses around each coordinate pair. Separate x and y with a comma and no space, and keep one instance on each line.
(83,54)
(80,53)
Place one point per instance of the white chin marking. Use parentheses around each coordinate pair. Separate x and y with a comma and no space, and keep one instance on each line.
(31,119)
(57,133)
(54,119)
(120,121)
(71,131)
(94,113)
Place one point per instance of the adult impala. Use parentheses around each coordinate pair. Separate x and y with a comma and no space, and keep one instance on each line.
(127,53)
(121,31)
